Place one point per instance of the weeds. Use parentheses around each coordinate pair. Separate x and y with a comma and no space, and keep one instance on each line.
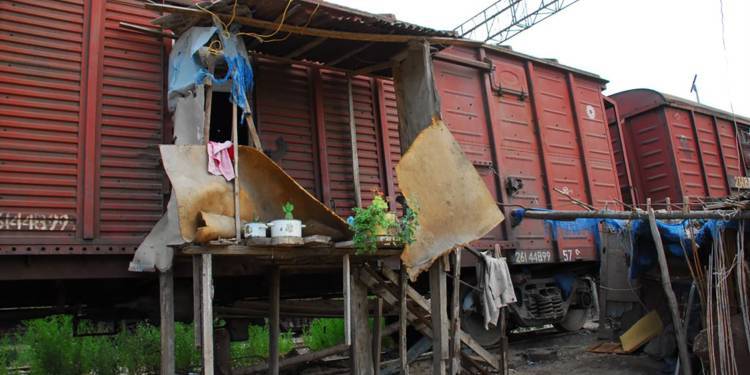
(256,348)
(324,333)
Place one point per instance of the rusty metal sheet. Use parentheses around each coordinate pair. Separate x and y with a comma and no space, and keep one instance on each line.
(452,201)
(264,187)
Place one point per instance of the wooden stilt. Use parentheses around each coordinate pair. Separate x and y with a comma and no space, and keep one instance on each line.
(504,341)
(376,336)
(455,352)
(166,304)
(209,95)
(347,301)
(207,316)
(237,223)
(439,316)
(361,340)
(273,322)
(666,283)
(223,352)
(403,321)
(197,299)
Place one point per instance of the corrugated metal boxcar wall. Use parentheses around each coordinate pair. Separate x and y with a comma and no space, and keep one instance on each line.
(80,118)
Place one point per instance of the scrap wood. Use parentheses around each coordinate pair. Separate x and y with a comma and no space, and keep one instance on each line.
(452,202)
(606,347)
(264,187)
(641,332)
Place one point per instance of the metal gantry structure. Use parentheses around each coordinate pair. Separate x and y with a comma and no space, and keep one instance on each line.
(504,19)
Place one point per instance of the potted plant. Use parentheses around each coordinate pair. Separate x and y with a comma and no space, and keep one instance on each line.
(288,226)
(376,222)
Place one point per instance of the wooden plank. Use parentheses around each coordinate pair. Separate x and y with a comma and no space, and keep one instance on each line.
(402,318)
(353,136)
(465,338)
(223,352)
(296,360)
(361,353)
(237,222)
(207,316)
(416,95)
(455,352)
(439,316)
(377,336)
(282,252)
(317,241)
(197,299)
(274,321)
(310,31)
(347,275)
(166,306)
(305,48)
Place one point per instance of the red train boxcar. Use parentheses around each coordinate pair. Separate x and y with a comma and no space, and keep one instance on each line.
(677,148)
(82,111)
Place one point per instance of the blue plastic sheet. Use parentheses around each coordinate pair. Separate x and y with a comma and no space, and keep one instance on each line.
(186,71)
(675,236)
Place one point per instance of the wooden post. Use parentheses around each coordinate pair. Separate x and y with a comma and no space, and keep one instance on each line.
(361,341)
(353,135)
(504,341)
(455,352)
(376,336)
(209,95)
(274,329)
(237,223)
(439,317)
(347,301)
(402,320)
(197,268)
(666,283)
(207,315)
(222,351)
(166,305)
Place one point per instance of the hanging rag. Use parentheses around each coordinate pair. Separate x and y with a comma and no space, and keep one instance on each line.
(496,286)
(219,159)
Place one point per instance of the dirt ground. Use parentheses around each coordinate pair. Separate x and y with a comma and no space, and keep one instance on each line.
(572,357)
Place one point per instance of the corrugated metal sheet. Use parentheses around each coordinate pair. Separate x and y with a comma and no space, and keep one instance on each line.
(41,53)
(80,116)
(679,148)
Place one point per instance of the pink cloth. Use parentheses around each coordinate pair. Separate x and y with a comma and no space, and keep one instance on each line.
(219,162)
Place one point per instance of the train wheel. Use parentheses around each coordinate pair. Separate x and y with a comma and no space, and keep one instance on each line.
(573,320)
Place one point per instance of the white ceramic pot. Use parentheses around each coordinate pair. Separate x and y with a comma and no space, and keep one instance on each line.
(286,228)
(256,230)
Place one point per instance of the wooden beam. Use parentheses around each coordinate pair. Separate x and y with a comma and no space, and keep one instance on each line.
(402,319)
(197,299)
(361,353)
(377,338)
(237,222)
(207,316)
(147,30)
(166,306)
(455,352)
(309,31)
(439,317)
(416,94)
(274,321)
(296,360)
(345,56)
(355,154)
(305,48)
(347,283)
(666,282)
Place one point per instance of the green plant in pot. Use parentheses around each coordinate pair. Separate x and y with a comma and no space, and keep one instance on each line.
(288,226)
(377,221)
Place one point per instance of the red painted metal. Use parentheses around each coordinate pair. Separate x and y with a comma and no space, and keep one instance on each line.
(679,148)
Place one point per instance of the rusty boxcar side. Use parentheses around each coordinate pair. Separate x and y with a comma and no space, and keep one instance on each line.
(678,148)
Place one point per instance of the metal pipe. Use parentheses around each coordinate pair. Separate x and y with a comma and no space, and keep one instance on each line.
(637,215)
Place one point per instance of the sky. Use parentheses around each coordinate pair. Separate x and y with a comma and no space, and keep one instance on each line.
(658,44)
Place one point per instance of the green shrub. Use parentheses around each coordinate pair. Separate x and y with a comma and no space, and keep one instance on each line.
(255,349)
(52,350)
(5,355)
(324,333)
(187,356)
(139,349)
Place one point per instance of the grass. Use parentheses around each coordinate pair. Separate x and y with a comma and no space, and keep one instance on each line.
(255,349)
(324,333)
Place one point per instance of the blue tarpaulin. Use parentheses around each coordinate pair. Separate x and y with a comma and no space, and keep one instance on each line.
(637,233)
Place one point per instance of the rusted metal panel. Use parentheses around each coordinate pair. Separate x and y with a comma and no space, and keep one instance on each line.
(129,127)
(42,49)
(81,116)
(683,148)
(286,115)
